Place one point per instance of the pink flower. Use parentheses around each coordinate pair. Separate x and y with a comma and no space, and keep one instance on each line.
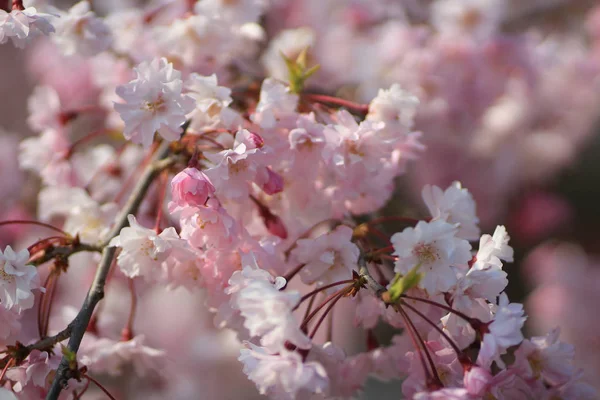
(190,188)
(153,103)
(273,182)
(17,280)
(546,357)
(329,258)
(35,369)
(210,225)
(477,381)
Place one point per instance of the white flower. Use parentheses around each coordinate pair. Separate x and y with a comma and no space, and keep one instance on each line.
(84,216)
(22,26)
(282,376)
(267,311)
(329,258)
(211,101)
(435,247)
(503,332)
(143,250)
(268,315)
(17,280)
(479,18)
(395,106)
(276,103)
(492,249)
(108,356)
(153,102)
(80,32)
(454,205)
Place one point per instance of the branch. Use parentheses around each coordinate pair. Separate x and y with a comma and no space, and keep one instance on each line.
(374,286)
(62,252)
(96,292)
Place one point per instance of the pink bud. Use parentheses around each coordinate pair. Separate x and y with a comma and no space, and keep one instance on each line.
(190,187)
(256,139)
(274,182)
(275,226)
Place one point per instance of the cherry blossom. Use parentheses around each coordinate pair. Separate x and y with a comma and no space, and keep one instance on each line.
(21,26)
(435,249)
(282,375)
(503,332)
(17,280)
(328,258)
(153,103)
(190,188)
(143,250)
(454,205)
(79,31)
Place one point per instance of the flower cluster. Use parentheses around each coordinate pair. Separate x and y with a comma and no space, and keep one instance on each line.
(182,170)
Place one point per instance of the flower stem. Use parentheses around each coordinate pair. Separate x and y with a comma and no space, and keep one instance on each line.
(106,392)
(326,312)
(442,306)
(437,328)
(24,222)
(321,98)
(320,289)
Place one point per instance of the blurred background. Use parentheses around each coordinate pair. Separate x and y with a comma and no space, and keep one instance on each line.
(510,106)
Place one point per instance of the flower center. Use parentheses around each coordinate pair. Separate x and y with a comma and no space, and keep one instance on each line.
(157,106)
(149,249)
(426,253)
(4,276)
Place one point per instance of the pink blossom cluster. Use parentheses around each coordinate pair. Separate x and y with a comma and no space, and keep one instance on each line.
(206,202)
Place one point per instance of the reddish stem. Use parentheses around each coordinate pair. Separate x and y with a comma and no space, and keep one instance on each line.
(443,306)
(106,392)
(326,312)
(320,306)
(379,234)
(321,98)
(25,222)
(288,277)
(85,388)
(382,250)
(320,289)
(437,328)
(9,364)
(83,140)
(413,339)
(127,333)
(48,307)
(393,218)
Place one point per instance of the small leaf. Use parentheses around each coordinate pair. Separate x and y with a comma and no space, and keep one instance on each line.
(402,283)
(298,72)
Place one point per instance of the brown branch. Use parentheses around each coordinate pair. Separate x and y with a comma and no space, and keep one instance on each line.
(96,292)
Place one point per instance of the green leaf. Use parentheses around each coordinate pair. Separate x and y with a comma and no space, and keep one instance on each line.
(402,283)
(298,72)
